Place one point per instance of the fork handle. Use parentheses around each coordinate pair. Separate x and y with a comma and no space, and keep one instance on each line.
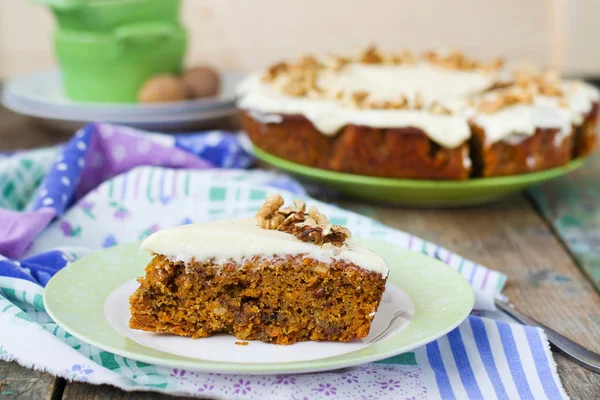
(579,354)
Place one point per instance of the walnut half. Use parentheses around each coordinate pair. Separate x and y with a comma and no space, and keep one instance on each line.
(267,216)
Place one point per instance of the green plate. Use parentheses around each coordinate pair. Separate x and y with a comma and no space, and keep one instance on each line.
(76,296)
(416,192)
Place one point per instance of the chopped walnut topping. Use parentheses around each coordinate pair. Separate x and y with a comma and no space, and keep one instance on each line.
(492,65)
(436,108)
(295,89)
(301,79)
(359,97)
(527,83)
(292,220)
(268,216)
(458,61)
(309,227)
(491,106)
(546,83)
(418,103)
(389,105)
(338,96)
(298,207)
(335,62)
(404,57)
(274,71)
(320,219)
(371,55)
(505,98)
(549,83)
(309,61)
(524,74)
(499,85)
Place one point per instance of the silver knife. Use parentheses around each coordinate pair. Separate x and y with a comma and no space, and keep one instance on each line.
(582,356)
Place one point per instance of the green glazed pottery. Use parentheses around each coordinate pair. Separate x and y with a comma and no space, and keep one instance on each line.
(105,15)
(414,192)
(112,67)
(107,49)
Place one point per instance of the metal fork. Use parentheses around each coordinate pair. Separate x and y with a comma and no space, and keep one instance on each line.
(579,354)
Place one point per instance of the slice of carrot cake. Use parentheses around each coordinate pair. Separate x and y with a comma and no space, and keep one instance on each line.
(286,276)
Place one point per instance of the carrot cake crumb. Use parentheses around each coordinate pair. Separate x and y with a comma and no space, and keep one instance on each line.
(288,275)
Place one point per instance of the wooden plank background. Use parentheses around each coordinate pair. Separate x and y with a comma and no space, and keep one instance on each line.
(571,206)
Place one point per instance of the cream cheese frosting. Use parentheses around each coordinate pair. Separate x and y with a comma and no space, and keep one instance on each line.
(514,124)
(448,87)
(434,84)
(580,97)
(239,239)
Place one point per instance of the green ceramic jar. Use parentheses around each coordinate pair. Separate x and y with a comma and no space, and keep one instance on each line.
(112,66)
(105,15)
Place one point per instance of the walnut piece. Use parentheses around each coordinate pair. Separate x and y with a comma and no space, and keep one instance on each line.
(457,60)
(491,106)
(335,62)
(404,57)
(319,218)
(359,97)
(371,55)
(438,109)
(274,71)
(310,62)
(418,102)
(527,83)
(299,207)
(401,104)
(267,216)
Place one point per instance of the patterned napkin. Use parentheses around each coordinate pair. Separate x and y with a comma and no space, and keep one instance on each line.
(112,185)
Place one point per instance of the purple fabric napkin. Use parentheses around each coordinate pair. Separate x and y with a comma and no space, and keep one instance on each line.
(98,152)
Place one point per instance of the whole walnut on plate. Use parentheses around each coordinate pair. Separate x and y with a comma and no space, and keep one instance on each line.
(201,82)
(163,88)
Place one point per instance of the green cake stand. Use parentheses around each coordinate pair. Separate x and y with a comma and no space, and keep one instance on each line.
(415,192)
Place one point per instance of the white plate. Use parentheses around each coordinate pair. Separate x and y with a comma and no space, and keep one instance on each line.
(395,313)
(41,95)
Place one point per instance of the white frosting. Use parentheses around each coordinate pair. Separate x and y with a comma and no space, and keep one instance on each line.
(383,83)
(388,82)
(580,97)
(531,162)
(467,163)
(514,124)
(448,87)
(238,239)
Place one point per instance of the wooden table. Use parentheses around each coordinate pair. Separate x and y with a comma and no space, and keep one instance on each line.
(546,240)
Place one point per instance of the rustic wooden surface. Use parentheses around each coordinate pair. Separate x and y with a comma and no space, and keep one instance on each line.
(511,236)
(572,207)
(17,382)
(82,391)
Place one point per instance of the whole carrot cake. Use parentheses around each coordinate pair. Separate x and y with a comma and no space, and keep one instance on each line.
(438,115)
(286,276)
